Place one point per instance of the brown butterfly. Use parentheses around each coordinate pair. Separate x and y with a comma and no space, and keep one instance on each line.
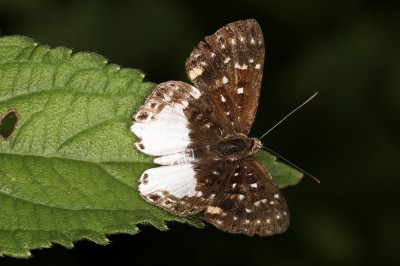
(200,136)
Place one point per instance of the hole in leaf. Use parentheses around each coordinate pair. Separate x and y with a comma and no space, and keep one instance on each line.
(8,123)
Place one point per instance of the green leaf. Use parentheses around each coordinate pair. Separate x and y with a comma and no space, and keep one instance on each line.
(282,174)
(69,170)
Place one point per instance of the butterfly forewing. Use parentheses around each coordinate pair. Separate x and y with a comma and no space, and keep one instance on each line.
(248,201)
(228,66)
(161,124)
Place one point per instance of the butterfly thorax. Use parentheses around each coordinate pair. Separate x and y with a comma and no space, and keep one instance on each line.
(234,147)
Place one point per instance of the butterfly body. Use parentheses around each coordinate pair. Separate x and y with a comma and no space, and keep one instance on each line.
(199,135)
(232,148)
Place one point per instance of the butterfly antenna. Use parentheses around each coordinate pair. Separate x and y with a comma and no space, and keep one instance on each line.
(283,119)
(291,164)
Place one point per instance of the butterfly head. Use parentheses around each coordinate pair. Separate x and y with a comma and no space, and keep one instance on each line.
(255,145)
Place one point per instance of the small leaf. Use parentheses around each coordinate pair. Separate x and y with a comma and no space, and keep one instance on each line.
(283,174)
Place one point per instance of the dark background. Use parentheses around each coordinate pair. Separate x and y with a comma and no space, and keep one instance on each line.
(348,136)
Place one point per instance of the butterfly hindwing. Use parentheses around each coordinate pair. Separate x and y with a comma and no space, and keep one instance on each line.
(228,66)
(248,202)
(174,188)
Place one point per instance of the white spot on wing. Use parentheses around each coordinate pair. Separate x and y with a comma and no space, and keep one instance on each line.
(227,60)
(254,185)
(223,99)
(224,80)
(238,66)
(214,210)
(258,66)
(195,72)
(240,90)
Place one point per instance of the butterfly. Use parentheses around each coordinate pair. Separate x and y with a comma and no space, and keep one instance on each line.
(199,135)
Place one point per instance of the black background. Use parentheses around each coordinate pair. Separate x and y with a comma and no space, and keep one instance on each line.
(348,136)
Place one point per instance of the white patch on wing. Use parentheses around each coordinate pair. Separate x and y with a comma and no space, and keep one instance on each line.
(178,180)
(186,156)
(166,134)
(214,210)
